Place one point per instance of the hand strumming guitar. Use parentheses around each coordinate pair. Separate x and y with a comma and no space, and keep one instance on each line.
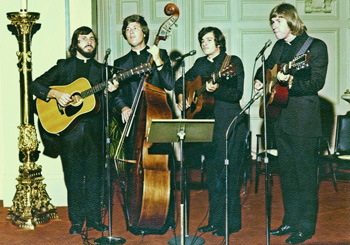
(285,78)
(180,104)
(211,87)
(62,98)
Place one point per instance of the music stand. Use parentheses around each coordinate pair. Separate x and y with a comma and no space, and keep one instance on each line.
(182,130)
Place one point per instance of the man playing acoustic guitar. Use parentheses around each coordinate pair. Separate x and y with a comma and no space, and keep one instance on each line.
(299,122)
(81,149)
(226,92)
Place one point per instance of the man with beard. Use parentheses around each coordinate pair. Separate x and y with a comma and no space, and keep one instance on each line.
(81,148)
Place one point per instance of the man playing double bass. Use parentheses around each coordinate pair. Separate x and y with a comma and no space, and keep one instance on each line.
(135,30)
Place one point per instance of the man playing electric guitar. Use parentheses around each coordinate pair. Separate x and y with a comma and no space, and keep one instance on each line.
(298,126)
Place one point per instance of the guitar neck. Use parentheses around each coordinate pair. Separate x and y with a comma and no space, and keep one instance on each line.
(93,90)
(122,76)
(97,88)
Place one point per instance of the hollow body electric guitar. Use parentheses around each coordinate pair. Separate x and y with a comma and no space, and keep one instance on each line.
(277,92)
(56,119)
(201,103)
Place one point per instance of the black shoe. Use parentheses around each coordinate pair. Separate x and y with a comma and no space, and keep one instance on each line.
(282,230)
(298,237)
(75,229)
(207,228)
(222,232)
(99,226)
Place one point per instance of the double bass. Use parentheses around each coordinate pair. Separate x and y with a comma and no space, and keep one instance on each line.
(146,184)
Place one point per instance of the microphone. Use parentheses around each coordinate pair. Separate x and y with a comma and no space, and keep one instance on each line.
(193,52)
(255,97)
(267,44)
(108,52)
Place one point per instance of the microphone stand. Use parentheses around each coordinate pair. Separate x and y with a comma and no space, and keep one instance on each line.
(266,159)
(227,161)
(185,239)
(108,239)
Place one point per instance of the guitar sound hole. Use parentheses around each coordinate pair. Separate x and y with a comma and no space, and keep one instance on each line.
(194,102)
(72,110)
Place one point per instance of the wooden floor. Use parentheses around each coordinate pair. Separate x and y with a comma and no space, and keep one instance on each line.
(333,226)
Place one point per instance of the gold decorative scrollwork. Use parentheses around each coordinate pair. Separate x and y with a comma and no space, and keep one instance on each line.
(27,140)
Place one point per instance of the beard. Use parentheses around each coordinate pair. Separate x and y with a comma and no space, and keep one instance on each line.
(87,54)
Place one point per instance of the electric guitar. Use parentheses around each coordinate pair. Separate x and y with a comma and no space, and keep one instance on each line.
(277,92)
(202,104)
(55,118)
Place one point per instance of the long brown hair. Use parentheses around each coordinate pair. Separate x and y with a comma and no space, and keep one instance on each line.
(290,14)
(84,30)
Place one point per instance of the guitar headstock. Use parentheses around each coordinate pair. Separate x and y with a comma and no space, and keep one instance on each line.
(228,71)
(300,61)
(143,68)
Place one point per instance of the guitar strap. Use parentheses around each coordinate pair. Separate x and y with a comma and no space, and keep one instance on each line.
(305,46)
(226,62)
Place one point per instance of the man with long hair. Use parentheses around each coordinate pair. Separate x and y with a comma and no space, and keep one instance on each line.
(81,148)
(298,125)
(226,92)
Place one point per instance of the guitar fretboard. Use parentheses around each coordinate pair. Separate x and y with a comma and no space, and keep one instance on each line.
(120,77)
(93,90)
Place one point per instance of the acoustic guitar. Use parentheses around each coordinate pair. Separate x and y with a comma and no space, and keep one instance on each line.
(56,119)
(277,92)
(201,103)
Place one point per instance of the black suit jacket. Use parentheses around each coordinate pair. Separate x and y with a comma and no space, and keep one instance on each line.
(63,73)
(126,92)
(301,116)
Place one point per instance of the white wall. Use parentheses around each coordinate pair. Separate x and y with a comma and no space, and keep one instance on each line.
(48,45)
(244,23)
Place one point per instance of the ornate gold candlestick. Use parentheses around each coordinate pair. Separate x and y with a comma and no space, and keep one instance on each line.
(31,203)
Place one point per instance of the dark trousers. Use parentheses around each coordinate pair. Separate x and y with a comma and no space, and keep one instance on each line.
(82,161)
(216,178)
(298,172)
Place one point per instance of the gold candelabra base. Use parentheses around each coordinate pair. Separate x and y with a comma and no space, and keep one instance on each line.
(31,203)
